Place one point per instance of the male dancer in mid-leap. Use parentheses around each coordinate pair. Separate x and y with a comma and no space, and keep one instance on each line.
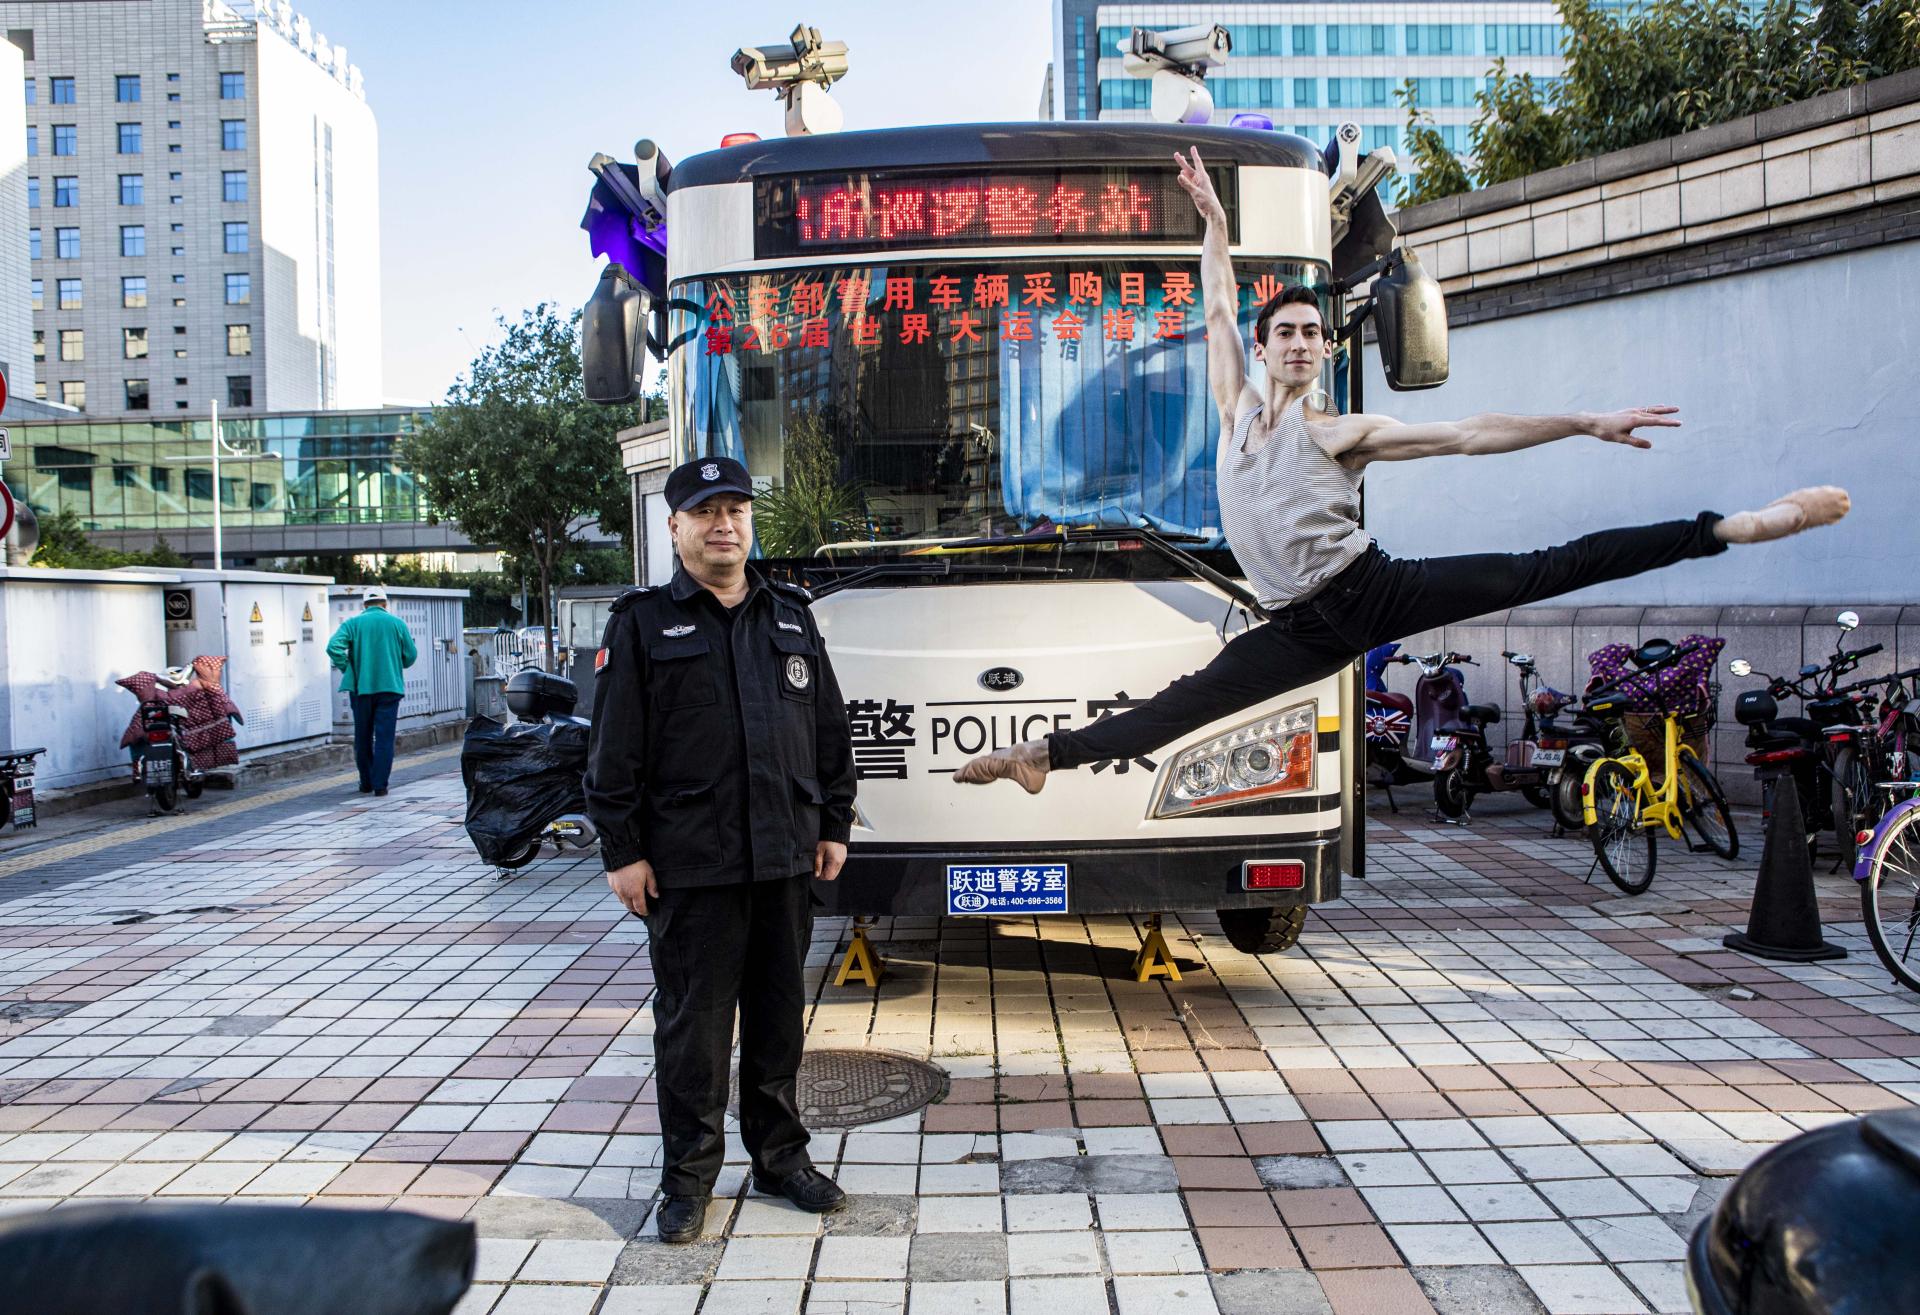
(1289,476)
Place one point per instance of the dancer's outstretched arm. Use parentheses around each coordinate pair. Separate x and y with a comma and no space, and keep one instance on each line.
(1359,439)
(1226,354)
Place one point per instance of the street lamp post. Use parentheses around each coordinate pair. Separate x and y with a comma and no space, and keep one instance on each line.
(218,446)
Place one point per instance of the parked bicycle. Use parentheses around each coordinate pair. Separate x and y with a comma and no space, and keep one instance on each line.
(1888,871)
(1870,750)
(1627,806)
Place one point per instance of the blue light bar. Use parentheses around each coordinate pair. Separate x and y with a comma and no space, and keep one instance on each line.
(1252,121)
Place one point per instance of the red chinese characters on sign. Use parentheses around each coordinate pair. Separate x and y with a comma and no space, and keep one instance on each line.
(943,292)
(1016,325)
(989,290)
(1085,287)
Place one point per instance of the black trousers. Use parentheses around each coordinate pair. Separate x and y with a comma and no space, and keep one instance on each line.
(1374,600)
(716,949)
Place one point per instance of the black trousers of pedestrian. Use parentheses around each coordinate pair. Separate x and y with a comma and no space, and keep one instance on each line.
(1374,600)
(715,950)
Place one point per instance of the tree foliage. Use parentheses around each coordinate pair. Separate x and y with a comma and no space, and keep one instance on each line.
(518,457)
(1673,66)
(64,544)
(1438,171)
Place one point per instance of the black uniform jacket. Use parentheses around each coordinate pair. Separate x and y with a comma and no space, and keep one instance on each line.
(721,751)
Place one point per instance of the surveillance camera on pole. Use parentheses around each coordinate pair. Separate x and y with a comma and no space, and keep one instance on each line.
(801,72)
(1177,61)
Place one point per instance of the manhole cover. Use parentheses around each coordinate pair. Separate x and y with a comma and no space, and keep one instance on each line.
(844,1088)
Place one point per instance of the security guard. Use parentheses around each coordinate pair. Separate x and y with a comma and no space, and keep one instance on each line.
(721,779)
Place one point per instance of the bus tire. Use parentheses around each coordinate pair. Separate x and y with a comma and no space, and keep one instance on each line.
(1263,931)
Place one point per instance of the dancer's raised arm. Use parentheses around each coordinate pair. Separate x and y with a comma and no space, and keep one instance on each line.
(1226,354)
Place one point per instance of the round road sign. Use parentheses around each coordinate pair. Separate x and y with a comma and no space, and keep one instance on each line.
(6,505)
(3,388)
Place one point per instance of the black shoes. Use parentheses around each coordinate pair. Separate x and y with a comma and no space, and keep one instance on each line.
(366,789)
(381,793)
(807,1188)
(679,1218)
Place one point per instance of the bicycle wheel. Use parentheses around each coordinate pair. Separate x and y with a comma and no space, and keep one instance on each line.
(1890,898)
(1703,808)
(1852,802)
(1626,850)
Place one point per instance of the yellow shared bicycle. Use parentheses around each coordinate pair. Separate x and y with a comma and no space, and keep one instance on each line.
(1626,806)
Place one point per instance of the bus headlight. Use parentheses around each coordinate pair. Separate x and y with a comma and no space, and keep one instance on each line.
(1257,760)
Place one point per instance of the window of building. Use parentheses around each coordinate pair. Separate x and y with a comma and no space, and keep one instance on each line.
(134,344)
(33,140)
(177,228)
(173,148)
(173,177)
(1302,39)
(129,138)
(68,293)
(175,200)
(235,234)
(179,278)
(160,478)
(1377,92)
(73,344)
(39,344)
(239,340)
(66,139)
(1378,38)
(66,191)
(62,89)
(74,393)
(180,329)
(133,239)
(127,477)
(173,95)
(39,390)
(262,497)
(133,189)
(239,390)
(138,399)
(66,243)
(233,86)
(233,184)
(173,77)
(179,251)
(1306,92)
(1333,38)
(33,193)
(180,405)
(126,88)
(233,134)
(33,91)
(39,294)
(179,353)
(33,244)
(133,291)
(239,289)
(199,482)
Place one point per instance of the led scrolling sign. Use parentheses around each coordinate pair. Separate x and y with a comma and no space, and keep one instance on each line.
(1079,206)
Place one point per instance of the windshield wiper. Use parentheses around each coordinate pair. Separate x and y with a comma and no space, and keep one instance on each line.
(1165,546)
(847,577)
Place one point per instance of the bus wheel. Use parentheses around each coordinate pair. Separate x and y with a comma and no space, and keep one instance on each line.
(1263,931)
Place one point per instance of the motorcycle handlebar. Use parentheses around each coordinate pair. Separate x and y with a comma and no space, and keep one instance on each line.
(1866,652)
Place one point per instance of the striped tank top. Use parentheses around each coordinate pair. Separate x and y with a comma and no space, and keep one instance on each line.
(1291,513)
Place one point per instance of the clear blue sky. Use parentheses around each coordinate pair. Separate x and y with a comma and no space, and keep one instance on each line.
(489,111)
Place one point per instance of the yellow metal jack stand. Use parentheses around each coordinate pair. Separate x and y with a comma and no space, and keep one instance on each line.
(862,963)
(1154,959)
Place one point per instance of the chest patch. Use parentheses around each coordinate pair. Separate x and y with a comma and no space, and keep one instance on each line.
(674,632)
(799,674)
(788,625)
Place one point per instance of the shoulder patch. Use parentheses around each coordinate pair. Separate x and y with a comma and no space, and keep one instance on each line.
(627,599)
(793,590)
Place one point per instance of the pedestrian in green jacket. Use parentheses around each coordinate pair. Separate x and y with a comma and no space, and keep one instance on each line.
(373,649)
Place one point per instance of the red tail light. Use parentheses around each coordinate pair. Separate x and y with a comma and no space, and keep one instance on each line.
(1839,737)
(1862,840)
(1553,744)
(1775,756)
(1289,875)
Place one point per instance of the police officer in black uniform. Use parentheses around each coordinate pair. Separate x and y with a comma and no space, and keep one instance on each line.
(721,780)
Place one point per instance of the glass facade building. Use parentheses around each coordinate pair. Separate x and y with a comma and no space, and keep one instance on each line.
(1311,65)
(154,478)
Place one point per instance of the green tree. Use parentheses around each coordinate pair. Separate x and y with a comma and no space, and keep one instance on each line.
(518,457)
(64,544)
(1438,171)
(1517,131)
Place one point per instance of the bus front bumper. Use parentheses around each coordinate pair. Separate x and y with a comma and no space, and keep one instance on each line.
(1143,877)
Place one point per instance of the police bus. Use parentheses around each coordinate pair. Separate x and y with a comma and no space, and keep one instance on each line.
(966,368)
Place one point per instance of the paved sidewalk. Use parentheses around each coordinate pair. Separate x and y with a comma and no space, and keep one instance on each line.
(1478,1084)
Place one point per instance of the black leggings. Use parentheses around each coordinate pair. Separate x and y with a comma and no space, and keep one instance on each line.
(1372,601)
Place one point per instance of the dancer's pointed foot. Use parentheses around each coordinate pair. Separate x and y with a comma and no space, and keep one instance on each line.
(1026,763)
(1803,509)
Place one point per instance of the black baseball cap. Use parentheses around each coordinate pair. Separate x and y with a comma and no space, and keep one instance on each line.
(699,479)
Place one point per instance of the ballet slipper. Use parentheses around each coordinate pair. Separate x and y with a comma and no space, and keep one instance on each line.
(1803,509)
(1026,763)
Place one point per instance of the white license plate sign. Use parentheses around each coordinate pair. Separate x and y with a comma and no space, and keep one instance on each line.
(1006,888)
(160,770)
(1549,757)
(1442,744)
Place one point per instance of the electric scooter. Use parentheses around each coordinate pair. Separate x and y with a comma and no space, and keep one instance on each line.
(1468,769)
(1389,723)
(1442,715)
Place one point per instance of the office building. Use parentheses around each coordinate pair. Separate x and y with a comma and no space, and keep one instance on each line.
(203,209)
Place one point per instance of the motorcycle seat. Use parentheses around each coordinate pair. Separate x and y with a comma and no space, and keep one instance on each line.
(1785,733)
(1484,714)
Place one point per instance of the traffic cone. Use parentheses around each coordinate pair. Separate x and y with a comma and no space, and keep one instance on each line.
(1785,921)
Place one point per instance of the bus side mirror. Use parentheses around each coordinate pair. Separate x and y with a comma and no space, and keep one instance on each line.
(1410,316)
(613,336)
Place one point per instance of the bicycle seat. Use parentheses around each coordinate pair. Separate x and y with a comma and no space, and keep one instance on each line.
(1483,713)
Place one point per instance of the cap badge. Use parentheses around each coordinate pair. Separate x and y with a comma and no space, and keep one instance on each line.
(710,471)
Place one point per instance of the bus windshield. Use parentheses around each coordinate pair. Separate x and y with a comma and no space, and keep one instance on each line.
(966,399)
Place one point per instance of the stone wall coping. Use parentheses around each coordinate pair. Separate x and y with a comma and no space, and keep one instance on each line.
(1833,107)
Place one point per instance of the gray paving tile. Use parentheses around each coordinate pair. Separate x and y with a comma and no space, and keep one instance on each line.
(958,1257)
(1477,1290)
(647,1261)
(1279,1171)
(874,1215)
(1269,1292)
(1089,1174)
